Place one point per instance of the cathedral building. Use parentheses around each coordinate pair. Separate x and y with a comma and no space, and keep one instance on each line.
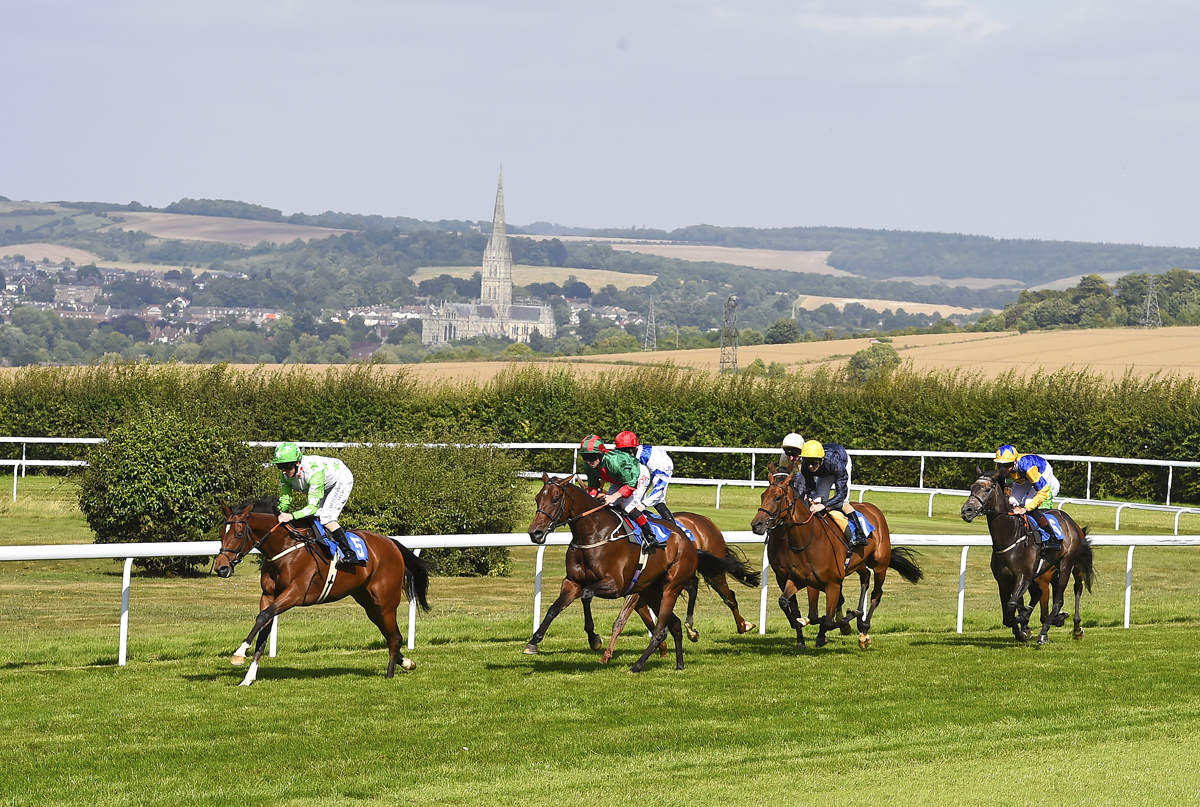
(494,314)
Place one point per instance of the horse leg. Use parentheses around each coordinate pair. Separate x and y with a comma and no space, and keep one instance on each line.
(1078,632)
(787,603)
(721,584)
(1057,617)
(570,591)
(677,634)
(846,630)
(385,619)
(813,601)
(239,655)
(1020,614)
(864,621)
(619,625)
(665,611)
(833,592)
(284,602)
(589,625)
(693,589)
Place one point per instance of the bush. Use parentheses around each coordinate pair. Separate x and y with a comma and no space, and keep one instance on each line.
(163,477)
(877,361)
(437,491)
(783,332)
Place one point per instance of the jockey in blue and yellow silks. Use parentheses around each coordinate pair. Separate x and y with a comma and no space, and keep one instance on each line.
(1034,487)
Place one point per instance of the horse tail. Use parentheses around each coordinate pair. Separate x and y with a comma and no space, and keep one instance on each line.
(709,565)
(740,571)
(416,576)
(1084,563)
(903,561)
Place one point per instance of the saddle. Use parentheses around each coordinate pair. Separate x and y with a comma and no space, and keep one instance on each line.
(315,534)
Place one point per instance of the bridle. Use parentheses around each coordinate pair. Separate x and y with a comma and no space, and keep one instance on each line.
(561,519)
(773,518)
(245,537)
(984,510)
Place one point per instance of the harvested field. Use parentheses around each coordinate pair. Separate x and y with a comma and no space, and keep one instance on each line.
(224,230)
(55,252)
(524,275)
(813,302)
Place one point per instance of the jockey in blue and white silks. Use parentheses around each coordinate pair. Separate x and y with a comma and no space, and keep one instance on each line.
(660,466)
(1034,487)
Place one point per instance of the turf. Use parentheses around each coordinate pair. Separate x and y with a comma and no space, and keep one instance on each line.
(927,716)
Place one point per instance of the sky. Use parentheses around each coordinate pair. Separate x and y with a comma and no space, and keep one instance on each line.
(1049,119)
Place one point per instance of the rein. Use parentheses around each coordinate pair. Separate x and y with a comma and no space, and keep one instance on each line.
(559,520)
(984,510)
(237,556)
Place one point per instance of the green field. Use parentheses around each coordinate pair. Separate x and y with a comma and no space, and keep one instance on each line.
(926,716)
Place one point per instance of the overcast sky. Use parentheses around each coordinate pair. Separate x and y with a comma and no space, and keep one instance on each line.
(1055,119)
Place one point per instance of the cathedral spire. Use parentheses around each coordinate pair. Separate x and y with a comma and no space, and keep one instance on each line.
(496,285)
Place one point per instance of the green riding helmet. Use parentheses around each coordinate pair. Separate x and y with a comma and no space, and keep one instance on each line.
(285,453)
(592,445)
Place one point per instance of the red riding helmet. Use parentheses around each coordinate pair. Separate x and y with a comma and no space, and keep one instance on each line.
(627,440)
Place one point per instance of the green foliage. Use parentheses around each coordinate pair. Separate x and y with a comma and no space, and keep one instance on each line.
(872,364)
(783,332)
(437,491)
(163,477)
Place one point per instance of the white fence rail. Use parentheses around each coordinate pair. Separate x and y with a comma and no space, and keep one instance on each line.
(419,542)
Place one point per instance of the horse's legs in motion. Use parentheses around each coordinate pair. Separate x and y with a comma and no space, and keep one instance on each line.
(570,591)
(285,601)
(1060,579)
(670,593)
(384,617)
(787,604)
(1078,632)
(720,584)
(239,655)
(693,589)
(589,624)
(833,593)
(864,621)
(627,608)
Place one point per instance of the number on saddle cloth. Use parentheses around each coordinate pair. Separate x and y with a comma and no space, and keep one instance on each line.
(356,542)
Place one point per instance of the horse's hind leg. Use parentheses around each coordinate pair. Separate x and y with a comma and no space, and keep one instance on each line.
(677,634)
(721,584)
(1078,632)
(1057,617)
(670,594)
(693,589)
(385,619)
(589,625)
(627,608)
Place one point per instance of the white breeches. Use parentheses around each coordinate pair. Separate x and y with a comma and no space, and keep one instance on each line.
(1024,491)
(657,494)
(635,500)
(335,499)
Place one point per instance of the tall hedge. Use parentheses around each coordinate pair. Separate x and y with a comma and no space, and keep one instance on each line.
(1065,412)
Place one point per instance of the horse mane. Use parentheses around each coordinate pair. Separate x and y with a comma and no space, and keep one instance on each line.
(265,504)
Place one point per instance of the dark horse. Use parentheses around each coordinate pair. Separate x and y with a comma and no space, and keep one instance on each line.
(295,572)
(1017,562)
(601,562)
(807,551)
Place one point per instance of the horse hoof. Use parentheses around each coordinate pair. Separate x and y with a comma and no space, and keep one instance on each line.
(237,661)
(530,649)
(1043,639)
(747,627)
(822,641)
(864,640)
(846,630)
(407,664)
(693,634)
(1023,636)
(246,683)
(596,644)
(1078,634)
(605,658)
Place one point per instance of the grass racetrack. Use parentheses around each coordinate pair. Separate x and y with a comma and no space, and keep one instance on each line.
(926,716)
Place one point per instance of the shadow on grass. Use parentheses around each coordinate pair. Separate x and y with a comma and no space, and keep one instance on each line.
(234,675)
(984,642)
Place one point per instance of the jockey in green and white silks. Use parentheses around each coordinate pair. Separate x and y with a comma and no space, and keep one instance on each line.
(328,483)
(628,481)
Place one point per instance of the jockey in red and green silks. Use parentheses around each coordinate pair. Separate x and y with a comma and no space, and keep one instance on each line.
(327,482)
(627,481)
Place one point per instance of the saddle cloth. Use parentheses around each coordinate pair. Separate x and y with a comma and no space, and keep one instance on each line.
(1052,520)
(661,531)
(356,542)
(860,524)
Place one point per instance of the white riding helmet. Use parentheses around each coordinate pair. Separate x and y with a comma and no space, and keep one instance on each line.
(793,440)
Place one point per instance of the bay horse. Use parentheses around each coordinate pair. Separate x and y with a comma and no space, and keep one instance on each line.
(296,573)
(1017,562)
(601,562)
(809,551)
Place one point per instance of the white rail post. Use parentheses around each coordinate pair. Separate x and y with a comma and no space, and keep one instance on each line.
(537,589)
(931,495)
(1089,485)
(921,481)
(962,586)
(124,642)
(274,634)
(762,600)
(718,495)
(412,615)
(23,469)
(754,456)
(14,480)
(1170,475)
(1128,583)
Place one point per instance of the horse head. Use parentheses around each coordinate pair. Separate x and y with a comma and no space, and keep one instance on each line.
(555,506)
(777,500)
(239,536)
(987,496)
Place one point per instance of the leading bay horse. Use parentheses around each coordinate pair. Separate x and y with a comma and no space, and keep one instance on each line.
(809,551)
(296,573)
(1017,562)
(601,562)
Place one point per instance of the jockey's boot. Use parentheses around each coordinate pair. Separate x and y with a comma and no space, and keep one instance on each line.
(349,557)
(665,512)
(1051,542)
(649,540)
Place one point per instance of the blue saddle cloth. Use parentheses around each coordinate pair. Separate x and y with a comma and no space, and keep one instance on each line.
(661,531)
(860,525)
(1052,520)
(356,542)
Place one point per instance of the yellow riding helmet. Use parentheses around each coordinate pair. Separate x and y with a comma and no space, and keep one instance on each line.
(812,450)
(1006,454)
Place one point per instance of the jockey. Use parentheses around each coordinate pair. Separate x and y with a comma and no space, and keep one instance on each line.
(792,444)
(658,463)
(328,483)
(1035,487)
(628,480)
(825,471)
